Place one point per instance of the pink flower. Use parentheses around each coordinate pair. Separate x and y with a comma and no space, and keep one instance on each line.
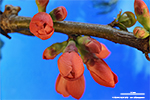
(70,65)
(101,73)
(74,88)
(59,13)
(41,25)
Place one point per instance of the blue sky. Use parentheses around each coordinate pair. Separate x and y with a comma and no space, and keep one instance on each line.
(25,75)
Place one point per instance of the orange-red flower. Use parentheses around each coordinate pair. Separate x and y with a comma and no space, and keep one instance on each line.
(101,73)
(70,65)
(41,25)
(74,88)
(59,13)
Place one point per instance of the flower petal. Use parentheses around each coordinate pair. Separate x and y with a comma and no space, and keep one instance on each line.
(104,52)
(64,64)
(115,78)
(94,46)
(76,88)
(60,86)
(70,65)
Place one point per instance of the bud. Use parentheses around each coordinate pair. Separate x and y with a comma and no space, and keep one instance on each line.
(140,32)
(101,72)
(70,65)
(59,13)
(41,25)
(52,51)
(41,5)
(127,19)
(89,44)
(94,46)
(142,13)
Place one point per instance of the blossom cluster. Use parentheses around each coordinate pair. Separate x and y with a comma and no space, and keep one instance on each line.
(76,51)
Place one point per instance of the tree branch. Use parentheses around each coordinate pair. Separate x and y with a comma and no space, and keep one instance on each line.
(15,23)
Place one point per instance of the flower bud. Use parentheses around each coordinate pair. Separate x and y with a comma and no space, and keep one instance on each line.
(94,46)
(41,5)
(41,25)
(127,19)
(70,65)
(89,44)
(52,51)
(140,32)
(59,13)
(101,73)
(142,13)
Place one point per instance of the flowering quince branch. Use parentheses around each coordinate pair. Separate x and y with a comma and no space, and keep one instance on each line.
(14,23)
(11,23)
(78,49)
